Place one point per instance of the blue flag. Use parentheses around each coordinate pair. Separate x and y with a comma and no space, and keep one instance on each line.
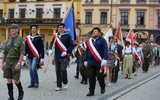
(69,23)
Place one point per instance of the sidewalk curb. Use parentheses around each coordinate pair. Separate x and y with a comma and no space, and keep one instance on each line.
(122,91)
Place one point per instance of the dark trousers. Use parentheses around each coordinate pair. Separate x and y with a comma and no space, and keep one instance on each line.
(115,74)
(61,71)
(77,68)
(94,72)
(82,69)
(145,64)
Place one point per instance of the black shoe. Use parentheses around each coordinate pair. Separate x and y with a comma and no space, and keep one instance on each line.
(31,86)
(114,82)
(85,82)
(36,85)
(102,90)
(76,77)
(20,96)
(10,95)
(11,99)
(82,81)
(90,94)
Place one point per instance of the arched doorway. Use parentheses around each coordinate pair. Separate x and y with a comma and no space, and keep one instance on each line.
(158,39)
(142,36)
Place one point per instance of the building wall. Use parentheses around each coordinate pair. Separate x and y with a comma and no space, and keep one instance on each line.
(150,9)
(45,31)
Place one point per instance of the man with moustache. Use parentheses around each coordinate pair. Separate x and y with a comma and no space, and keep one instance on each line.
(95,57)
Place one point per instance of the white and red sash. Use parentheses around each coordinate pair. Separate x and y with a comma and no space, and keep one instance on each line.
(32,47)
(93,50)
(60,44)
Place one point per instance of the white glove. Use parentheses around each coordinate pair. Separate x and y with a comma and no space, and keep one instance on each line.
(115,63)
(41,62)
(104,63)
(24,58)
(49,52)
(85,64)
(63,54)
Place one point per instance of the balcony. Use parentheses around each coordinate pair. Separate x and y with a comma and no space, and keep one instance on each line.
(40,0)
(22,0)
(11,0)
(26,21)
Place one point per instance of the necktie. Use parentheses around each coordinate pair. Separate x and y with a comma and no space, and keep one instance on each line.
(110,47)
(93,41)
(12,42)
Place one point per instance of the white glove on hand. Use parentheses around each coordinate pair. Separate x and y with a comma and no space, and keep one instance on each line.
(115,63)
(24,58)
(41,62)
(63,54)
(103,63)
(49,52)
(85,64)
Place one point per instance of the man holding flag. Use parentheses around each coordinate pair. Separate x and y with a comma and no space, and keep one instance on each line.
(63,48)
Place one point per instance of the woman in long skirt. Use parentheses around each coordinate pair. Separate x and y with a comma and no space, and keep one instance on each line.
(127,59)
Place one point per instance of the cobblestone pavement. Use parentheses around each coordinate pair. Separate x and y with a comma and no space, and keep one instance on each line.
(147,91)
(75,91)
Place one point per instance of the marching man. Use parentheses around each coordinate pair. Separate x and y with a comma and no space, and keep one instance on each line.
(35,51)
(95,57)
(63,48)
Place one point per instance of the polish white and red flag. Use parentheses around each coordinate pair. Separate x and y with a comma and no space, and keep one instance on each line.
(131,36)
(118,34)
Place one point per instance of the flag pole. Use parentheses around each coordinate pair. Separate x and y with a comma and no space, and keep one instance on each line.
(66,14)
(108,29)
(50,55)
(56,36)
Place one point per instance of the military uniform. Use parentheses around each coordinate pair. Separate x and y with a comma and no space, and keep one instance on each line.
(81,62)
(12,56)
(146,51)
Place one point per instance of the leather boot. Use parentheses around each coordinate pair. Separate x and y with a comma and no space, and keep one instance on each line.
(10,91)
(20,90)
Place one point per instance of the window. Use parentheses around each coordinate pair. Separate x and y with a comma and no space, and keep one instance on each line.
(57,13)
(89,1)
(124,18)
(22,13)
(11,13)
(1,14)
(104,0)
(39,13)
(141,1)
(103,18)
(88,18)
(124,0)
(159,19)
(140,18)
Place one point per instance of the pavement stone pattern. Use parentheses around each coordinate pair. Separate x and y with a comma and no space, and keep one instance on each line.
(147,91)
(75,91)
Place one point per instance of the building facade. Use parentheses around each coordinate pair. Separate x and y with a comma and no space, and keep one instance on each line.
(143,16)
(45,13)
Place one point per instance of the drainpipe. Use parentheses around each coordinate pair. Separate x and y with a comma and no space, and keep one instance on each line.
(111,13)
